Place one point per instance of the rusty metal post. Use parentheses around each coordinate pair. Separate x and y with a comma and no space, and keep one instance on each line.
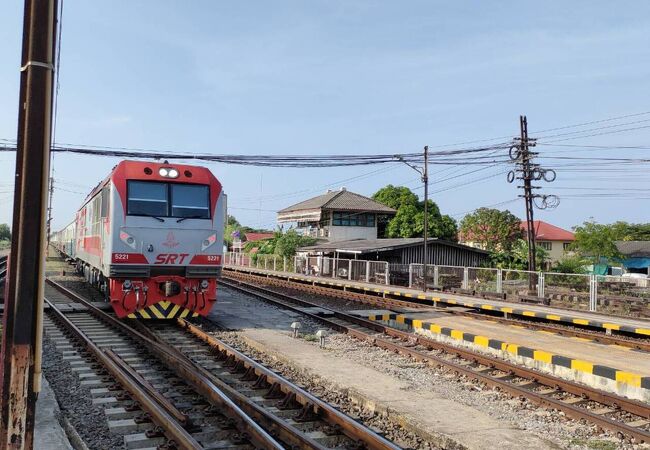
(24,303)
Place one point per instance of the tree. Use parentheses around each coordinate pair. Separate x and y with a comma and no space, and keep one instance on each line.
(396,196)
(280,244)
(571,264)
(517,256)
(491,228)
(409,219)
(233,229)
(596,241)
(5,232)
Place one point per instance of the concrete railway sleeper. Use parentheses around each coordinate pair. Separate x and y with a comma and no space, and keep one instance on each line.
(534,323)
(283,410)
(607,411)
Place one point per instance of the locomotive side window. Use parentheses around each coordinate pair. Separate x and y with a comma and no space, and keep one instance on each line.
(147,198)
(191,201)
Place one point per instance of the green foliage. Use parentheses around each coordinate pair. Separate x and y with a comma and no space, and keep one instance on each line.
(409,220)
(517,256)
(5,232)
(280,244)
(596,241)
(233,225)
(396,196)
(571,264)
(495,230)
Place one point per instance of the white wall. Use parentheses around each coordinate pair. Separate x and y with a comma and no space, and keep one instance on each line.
(347,233)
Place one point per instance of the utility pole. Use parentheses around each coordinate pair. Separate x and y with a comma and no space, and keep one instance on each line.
(528,190)
(424,173)
(49,208)
(527,171)
(425,180)
(22,331)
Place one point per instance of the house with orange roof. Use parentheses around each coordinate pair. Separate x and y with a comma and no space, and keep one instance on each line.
(555,240)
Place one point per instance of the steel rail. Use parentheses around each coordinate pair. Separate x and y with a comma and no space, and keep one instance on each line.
(187,371)
(275,426)
(532,323)
(350,427)
(612,400)
(173,429)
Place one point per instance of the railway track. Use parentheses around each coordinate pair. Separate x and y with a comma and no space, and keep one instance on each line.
(197,391)
(390,303)
(608,411)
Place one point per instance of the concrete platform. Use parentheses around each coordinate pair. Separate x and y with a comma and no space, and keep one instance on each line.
(617,369)
(48,433)
(581,318)
(449,423)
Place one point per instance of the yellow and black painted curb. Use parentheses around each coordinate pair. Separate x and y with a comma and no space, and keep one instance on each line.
(163,310)
(573,320)
(620,376)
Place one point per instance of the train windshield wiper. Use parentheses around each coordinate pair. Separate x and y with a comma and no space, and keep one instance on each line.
(190,217)
(159,219)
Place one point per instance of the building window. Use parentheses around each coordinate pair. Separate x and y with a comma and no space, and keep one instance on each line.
(566,246)
(546,245)
(352,219)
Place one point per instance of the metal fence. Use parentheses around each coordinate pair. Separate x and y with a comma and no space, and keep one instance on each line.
(613,294)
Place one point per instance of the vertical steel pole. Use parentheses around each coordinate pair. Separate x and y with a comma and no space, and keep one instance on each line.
(22,330)
(367,271)
(425,180)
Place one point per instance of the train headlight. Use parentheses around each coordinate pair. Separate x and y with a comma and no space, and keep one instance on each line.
(127,285)
(127,239)
(168,172)
(204,284)
(208,241)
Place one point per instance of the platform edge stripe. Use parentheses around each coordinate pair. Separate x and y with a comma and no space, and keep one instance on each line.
(582,366)
(528,313)
(580,321)
(457,334)
(526,352)
(543,356)
(628,378)
(562,361)
(496,344)
(469,337)
(644,331)
(553,317)
(605,371)
(612,326)
(506,310)
(483,341)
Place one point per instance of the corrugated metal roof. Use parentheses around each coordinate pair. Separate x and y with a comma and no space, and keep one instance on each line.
(340,200)
(634,249)
(370,245)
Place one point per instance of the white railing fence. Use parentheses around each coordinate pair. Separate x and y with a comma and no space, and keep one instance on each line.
(621,295)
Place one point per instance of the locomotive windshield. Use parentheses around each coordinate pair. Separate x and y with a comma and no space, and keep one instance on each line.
(146,198)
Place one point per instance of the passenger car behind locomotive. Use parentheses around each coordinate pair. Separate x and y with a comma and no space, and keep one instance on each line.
(150,236)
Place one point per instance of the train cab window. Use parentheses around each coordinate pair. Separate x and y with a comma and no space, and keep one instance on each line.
(190,200)
(147,198)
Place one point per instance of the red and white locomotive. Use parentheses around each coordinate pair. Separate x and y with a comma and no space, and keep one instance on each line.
(151,237)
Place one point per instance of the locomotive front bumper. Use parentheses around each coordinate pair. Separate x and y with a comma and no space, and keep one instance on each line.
(162,296)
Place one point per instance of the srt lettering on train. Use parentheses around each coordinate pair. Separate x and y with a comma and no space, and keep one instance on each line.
(171,258)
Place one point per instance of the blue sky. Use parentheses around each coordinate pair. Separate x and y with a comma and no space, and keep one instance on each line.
(343,77)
